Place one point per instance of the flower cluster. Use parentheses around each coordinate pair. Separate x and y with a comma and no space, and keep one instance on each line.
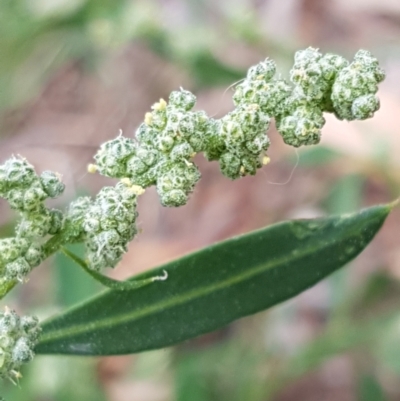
(353,92)
(166,142)
(172,133)
(26,192)
(109,225)
(18,336)
(321,83)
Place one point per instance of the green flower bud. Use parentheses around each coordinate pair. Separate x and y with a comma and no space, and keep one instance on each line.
(15,199)
(18,337)
(18,269)
(183,99)
(113,208)
(357,81)
(19,173)
(12,248)
(262,71)
(52,184)
(365,106)
(33,198)
(9,323)
(230,165)
(173,198)
(112,156)
(34,255)
(22,351)
(303,127)
(75,217)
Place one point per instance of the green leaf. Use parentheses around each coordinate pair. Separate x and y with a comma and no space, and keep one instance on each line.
(214,286)
(369,389)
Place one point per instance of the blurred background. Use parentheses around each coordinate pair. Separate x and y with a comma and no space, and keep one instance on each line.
(74,72)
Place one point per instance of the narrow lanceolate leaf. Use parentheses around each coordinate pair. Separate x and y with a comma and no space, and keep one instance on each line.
(212,287)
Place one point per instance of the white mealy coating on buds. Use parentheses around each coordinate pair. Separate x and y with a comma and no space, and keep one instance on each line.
(26,192)
(166,143)
(18,256)
(109,225)
(245,141)
(18,336)
(353,92)
(172,133)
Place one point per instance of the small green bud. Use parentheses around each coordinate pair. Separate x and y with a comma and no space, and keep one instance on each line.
(365,106)
(22,351)
(52,184)
(33,198)
(19,173)
(34,255)
(18,337)
(303,127)
(173,198)
(112,156)
(15,199)
(182,99)
(18,269)
(12,248)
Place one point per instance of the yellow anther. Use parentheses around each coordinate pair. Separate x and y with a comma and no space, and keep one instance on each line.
(148,118)
(188,163)
(193,154)
(253,106)
(91,168)
(242,170)
(137,189)
(265,160)
(126,181)
(259,77)
(230,126)
(161,105)
(16,374)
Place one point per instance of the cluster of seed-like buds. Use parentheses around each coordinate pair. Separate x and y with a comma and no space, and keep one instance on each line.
(313,75)
(18,336)
(243,133)
(261,87)
(353,92)
(321,83)
(17,258)
(26,192)
(109,224)
(166,142)
(172,133)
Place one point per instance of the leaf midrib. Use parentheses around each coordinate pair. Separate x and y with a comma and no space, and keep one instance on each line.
(180,299)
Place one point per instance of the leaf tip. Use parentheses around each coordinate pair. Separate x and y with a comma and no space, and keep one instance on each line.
(161,278)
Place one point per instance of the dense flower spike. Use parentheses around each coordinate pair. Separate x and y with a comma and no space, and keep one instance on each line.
(18,336)
(161,154)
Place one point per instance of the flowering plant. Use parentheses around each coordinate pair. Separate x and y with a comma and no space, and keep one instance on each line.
(161,154)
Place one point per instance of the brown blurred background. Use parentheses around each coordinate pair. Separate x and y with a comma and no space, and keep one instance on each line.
(74,72)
